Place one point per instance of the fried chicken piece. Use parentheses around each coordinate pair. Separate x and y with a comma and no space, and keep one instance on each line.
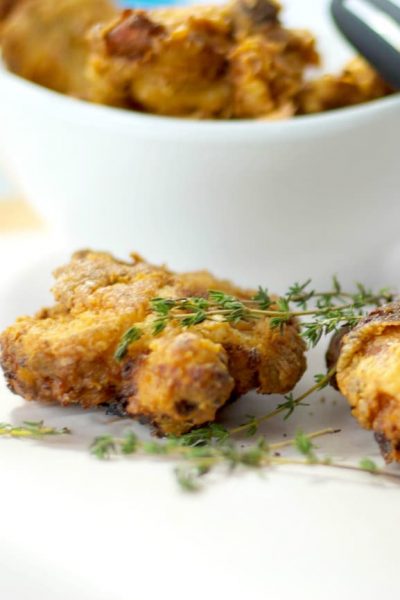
(368,375)
(224,61)
(357,84)
(44,40)
(232,61)
(177,380)
(6,6)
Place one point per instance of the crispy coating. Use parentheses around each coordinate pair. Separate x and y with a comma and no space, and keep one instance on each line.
(44,40)
(228,61)
(231,61)
(6,6)
(358,83)
(177,380)
(368,375)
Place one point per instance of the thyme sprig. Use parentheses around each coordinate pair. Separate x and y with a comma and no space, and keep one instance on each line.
(319,314)
(201,451)
(287,407)
(328,312)
(197,454)
(31,429)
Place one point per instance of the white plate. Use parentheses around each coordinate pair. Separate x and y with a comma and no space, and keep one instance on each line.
(75,527)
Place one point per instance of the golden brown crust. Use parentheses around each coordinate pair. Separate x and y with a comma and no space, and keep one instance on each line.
(368,375)
(45,41)
(358,83)
(6,7)
(182,382)
(178,379)
(228,61)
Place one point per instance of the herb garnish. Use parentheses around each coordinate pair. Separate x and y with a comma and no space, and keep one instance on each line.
(287,407)
(213,446)
(208,448)
(30,429)
(203,450)
(330,311)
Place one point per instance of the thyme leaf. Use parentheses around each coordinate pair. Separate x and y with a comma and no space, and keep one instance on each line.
(131,335)
(214,449)
(320,313)
(368,465)
(31,429)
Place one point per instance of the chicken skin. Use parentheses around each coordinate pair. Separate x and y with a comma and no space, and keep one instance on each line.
(368,375)
(45,40)
(177,379)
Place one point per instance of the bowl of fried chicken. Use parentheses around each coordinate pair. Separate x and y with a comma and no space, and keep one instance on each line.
(207,136)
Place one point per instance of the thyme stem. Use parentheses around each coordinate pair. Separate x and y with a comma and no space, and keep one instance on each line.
(326,316)
(282,407)
(311,436)
(30,429)
(200,451)
(264,313)
(336,465)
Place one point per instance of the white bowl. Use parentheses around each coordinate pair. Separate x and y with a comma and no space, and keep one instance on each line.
(259,202)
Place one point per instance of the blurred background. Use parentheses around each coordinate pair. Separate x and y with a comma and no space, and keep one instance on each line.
(7,189)
(297,13)
(120,180)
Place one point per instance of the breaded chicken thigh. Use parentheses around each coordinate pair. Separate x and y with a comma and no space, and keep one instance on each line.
(368,375)
(177,379)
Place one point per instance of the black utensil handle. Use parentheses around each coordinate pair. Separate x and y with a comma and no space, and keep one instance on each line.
(369,37)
